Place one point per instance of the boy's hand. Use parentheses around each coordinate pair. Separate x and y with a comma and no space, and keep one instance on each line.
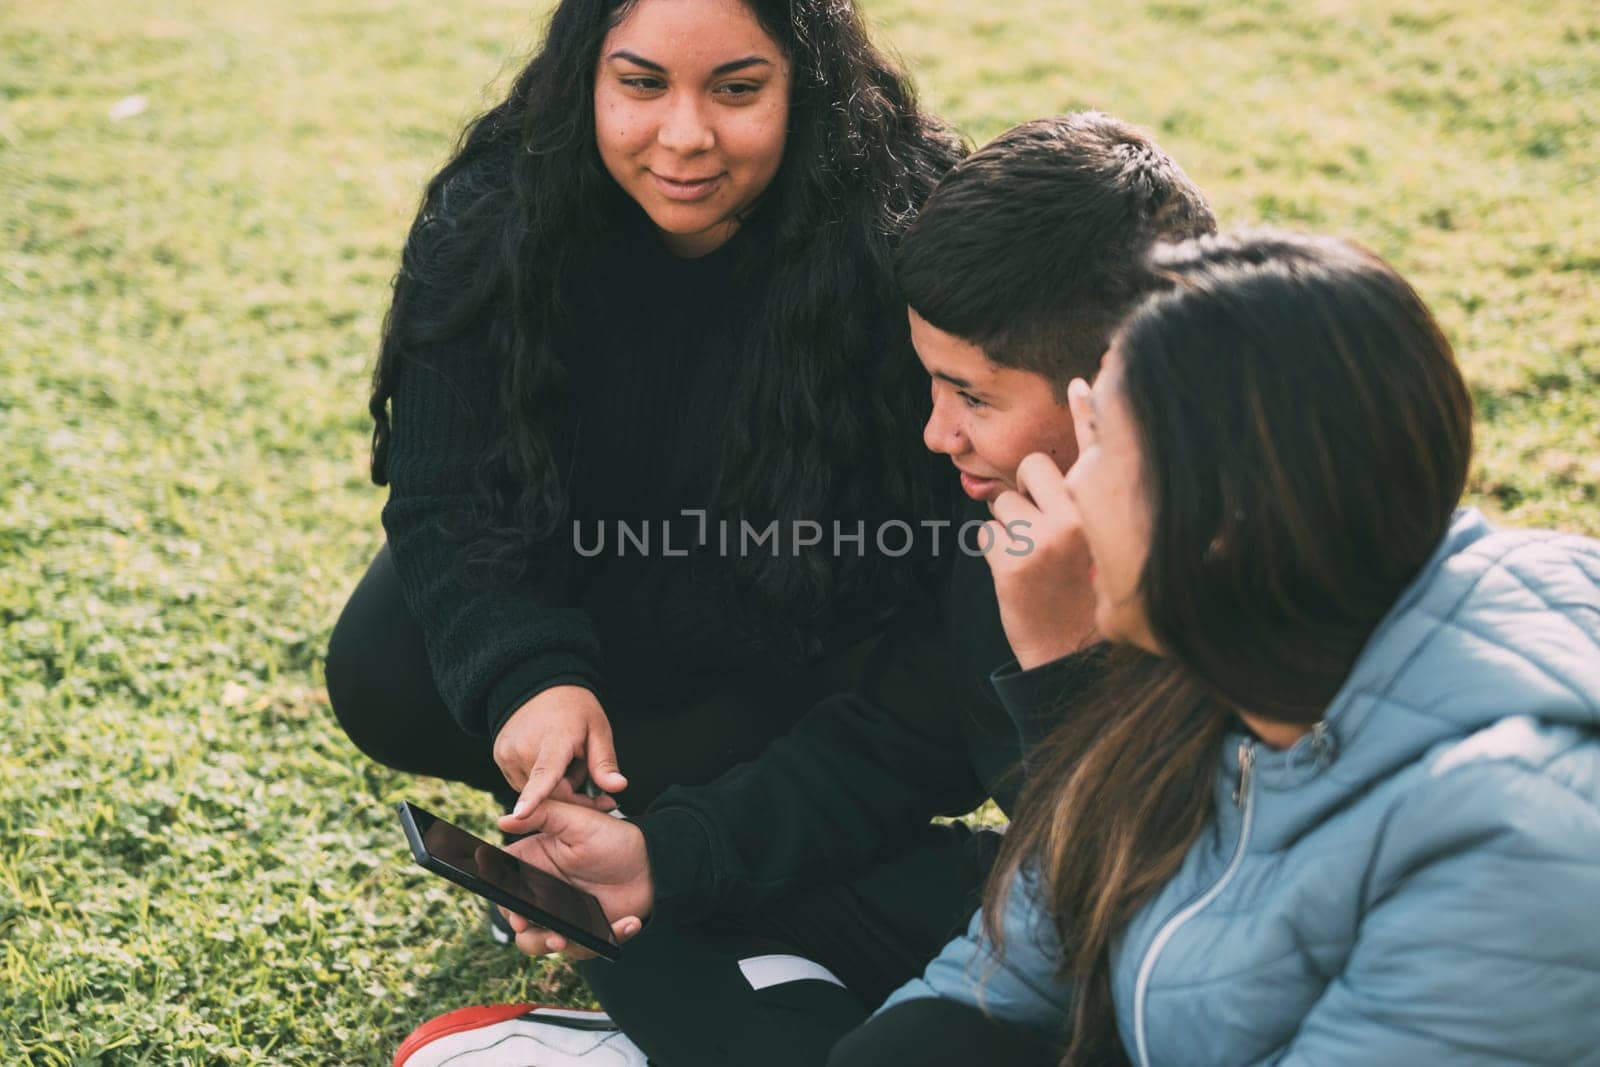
(1040,563)
(596,853)
(535,941)
(560,736)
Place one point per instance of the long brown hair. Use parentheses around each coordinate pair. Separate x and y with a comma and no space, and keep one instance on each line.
(1305,435)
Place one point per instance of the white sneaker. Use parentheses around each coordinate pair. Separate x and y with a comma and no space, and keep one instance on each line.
(519,1035)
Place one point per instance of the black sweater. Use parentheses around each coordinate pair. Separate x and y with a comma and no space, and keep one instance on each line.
(650,361)
(944,721)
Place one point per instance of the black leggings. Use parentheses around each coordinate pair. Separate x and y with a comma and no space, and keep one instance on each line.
(383,694)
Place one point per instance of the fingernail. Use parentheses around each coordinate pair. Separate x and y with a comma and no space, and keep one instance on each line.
(520,810)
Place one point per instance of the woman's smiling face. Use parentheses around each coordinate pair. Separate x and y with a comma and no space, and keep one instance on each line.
(691,109)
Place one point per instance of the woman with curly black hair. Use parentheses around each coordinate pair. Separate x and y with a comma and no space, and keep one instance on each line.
(644,363)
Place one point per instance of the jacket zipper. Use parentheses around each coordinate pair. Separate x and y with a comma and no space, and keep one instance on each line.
(1243,796)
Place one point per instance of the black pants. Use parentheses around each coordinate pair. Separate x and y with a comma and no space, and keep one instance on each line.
(384,696)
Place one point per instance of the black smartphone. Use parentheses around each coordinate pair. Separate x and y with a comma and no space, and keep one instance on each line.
(500,877)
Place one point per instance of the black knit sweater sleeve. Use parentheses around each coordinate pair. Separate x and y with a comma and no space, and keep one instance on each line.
(491,647)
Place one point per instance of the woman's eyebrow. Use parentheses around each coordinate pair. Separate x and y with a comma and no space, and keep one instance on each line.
(638,61)
(741,64)
(726,68)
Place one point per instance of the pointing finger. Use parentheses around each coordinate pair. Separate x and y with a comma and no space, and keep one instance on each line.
(547,773)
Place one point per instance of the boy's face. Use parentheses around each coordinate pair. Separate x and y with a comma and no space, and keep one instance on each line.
(986,418)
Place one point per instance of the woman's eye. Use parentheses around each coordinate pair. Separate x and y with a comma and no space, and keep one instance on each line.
(643,84)
(970,401)
(739,90)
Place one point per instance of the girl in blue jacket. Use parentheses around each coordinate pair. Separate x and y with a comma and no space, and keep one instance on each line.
(1352,813)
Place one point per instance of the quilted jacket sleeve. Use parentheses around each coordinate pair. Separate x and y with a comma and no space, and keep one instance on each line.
(1481,944)
(1017,986)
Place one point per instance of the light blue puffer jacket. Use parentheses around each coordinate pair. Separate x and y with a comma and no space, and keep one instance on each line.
(1416,883)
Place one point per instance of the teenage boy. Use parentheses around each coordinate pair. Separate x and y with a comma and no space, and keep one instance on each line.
(777,920)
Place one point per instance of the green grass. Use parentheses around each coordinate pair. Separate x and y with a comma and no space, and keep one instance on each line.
(195,866)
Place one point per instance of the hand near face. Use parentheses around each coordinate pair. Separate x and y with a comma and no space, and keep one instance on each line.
(1107,486)
(596,853)
(1040,563)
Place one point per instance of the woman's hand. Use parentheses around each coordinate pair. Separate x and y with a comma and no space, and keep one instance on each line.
(595,852)
(549,745)
(1040,562)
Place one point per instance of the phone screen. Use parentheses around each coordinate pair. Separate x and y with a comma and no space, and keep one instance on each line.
(545,899)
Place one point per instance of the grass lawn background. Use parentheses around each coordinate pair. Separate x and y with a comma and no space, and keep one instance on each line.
(195,866)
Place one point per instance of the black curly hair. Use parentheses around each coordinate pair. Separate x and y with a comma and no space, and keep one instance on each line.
(825,422)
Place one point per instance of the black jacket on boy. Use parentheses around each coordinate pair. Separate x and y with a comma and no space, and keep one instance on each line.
(796,891)
(940,724)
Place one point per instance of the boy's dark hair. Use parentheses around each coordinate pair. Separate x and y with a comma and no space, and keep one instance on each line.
(1032,247)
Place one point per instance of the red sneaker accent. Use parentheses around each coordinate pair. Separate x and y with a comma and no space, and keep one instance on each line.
(453,1022)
